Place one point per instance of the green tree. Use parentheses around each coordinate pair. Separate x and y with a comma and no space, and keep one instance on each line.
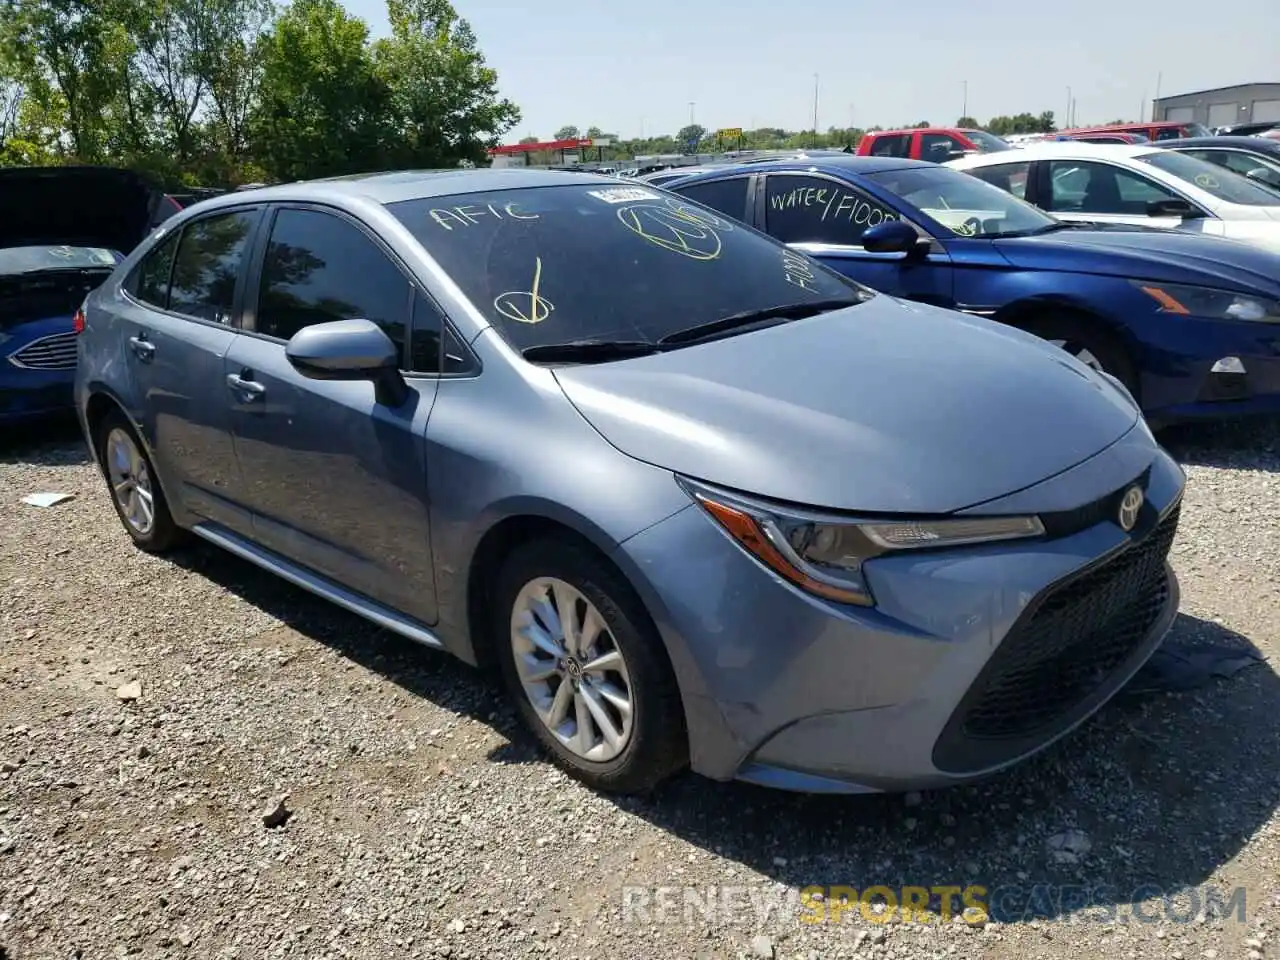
(567,133)
(689,137)
(444,102)
(967,123)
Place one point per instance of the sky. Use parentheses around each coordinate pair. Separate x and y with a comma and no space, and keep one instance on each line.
(635,70)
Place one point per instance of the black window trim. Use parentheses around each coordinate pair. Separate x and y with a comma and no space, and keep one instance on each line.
(253,284)
(1047,183)
(238,298)
(818,246)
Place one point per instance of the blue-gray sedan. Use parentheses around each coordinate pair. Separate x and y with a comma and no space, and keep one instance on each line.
(703,500)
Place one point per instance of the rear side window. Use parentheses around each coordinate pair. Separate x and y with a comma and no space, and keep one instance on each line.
(804,209)
(210,256)
(728,196)
(150,279)
(891,145)
(319,268)
(938,147)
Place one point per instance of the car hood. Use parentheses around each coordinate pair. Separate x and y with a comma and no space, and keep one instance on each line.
(1148,254)
(886,407)
(75,206)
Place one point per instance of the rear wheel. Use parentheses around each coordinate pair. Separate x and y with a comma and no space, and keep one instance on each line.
(131,481)
(587,670)
(1089,342)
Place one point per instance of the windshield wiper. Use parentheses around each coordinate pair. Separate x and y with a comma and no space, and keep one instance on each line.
(748,318)
(588,351)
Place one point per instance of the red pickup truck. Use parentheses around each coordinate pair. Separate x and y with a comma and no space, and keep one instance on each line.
(936,144)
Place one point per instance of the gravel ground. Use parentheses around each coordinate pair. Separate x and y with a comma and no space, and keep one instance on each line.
(419,822)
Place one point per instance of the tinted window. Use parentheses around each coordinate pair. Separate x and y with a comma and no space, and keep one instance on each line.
(987,142)
(433,346)
(893,145)
(599,261)
(937,147)
(965,205)
(727,196)
(801,209)
(1222,184)
(1084,187)
(208,263)
(319,268)
(1009,177)
(150,281)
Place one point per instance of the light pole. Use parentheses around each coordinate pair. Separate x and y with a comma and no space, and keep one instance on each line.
(964,110)
(691,104)
(1066,117)
(815,110)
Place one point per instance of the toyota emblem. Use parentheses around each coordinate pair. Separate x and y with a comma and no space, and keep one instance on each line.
(1129,508)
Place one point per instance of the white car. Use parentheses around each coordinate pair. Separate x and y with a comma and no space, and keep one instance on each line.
(1139,184)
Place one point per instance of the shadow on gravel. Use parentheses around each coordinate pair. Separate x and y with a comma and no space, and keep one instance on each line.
(1252,444)
(53,441)
(1146,800)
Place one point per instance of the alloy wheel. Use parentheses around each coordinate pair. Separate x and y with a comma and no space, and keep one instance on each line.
(572,669)
(1080,352)
(130,481)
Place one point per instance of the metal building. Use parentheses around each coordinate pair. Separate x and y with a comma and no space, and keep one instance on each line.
(1243,103)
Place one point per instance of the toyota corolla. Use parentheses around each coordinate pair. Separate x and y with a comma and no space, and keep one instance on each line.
(702,500)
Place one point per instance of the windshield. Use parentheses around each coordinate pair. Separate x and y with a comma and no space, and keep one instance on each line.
(987,142)
(28,259)
(1217,181)
(552,265)
(962,203)
(1195,130)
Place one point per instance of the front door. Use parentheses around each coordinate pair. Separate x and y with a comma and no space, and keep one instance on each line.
(336,480)
(178,311)
(1091,191)
(826,218)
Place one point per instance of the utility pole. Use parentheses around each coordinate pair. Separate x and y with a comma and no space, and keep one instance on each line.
(964,110)
(1066,117)
(691,103)
(815,110)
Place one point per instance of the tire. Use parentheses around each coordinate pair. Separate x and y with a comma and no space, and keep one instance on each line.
(133,486)
(655,744)
(1089,342)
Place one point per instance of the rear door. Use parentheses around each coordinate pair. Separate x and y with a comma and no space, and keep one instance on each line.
(336,481)
(178,311)
(825,218)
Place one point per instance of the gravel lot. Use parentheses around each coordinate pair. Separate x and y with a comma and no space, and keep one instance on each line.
(425,825)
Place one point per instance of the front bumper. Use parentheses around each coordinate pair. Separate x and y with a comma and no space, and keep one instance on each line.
(952,676)
(1180,381)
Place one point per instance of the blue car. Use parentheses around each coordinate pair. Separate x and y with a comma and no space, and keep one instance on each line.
(1189,324)
(703,501)
(62,232)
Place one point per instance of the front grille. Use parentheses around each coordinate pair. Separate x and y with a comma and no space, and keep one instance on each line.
(57,352)
(1060,657)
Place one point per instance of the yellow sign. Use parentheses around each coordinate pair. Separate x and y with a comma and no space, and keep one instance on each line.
(730,132)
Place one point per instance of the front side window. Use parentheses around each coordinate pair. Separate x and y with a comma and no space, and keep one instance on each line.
(728,196)
(555,264)
(962,204)
(891,145)
(1214,180)
(320,267)
(1009,177)
(987,142)
(1100,188)
(803,209)
(938,147)
(210,255)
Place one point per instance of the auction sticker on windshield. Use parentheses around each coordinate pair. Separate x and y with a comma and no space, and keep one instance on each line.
(623,195)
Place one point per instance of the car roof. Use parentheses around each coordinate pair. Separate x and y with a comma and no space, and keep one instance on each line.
(394,186)
(1057,150)
(846,164)
(1252,143)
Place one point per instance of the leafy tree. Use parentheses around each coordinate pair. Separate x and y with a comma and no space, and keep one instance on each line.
(567,133)
(688,137)
(967,123)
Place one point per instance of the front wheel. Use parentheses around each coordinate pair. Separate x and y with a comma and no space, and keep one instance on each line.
(587,669)
(1089,343)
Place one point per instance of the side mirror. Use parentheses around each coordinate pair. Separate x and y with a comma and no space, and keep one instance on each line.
(1171,208)
(350,350)
(890,236)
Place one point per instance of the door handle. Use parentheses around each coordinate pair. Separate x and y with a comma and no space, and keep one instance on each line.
(249,390)
(143,347)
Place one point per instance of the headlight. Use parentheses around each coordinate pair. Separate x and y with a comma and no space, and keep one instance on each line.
(824,555)
(1208,302)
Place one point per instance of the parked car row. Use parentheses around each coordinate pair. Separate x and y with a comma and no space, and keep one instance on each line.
(703,499)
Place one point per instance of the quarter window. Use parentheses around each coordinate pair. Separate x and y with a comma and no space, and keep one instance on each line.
(728,196)
(150,280)
(207,266)
(814,210)
(1009,177)
(321,268)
